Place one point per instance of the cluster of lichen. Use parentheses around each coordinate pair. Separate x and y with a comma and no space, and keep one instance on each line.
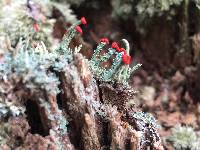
(184,138)
(145,12)
(143,8)
(59,118)
(8,109)
(30,66)
(147,125)
(17,19)
(35,68)
(117,72)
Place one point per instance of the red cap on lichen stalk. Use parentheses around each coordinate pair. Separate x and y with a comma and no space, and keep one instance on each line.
(122,50)
(116,46)
(78,29)
(126,59)
(104,40)
(76,26)
(83,21)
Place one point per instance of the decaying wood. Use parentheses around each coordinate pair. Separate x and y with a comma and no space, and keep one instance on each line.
(81,99)
(79,91)
(117,94)
(123,136)
(89,136)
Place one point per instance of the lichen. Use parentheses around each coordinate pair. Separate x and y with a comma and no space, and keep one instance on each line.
(143,8)
(145,12)
(144,119)
(18,19)
(119,71)
(184,138)
(38,71)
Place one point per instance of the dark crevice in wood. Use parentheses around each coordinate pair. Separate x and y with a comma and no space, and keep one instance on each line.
(34,119)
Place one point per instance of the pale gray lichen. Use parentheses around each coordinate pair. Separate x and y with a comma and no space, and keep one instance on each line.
(184,138)
(60,128)
(144,119)
(31,67)
(8,109)
(34,69)
(17,22)
(148,125)
(17,19)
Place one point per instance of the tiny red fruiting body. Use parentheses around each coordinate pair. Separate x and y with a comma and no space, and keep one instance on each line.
(115,45)
(36,27)
(105,40)
(83,21)
(122,50)
(117,48)
(79,30)
(126,59)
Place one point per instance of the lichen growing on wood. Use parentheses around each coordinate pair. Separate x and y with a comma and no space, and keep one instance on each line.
(119,71)
(21,19)
(66,102)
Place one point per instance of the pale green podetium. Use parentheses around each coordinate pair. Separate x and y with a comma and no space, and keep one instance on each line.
(124,72)
(118,72)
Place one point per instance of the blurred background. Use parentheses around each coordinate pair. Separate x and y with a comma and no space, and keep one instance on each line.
(164,37)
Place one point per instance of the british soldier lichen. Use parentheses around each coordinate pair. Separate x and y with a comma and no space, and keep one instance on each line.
(37,69)
(119,70)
